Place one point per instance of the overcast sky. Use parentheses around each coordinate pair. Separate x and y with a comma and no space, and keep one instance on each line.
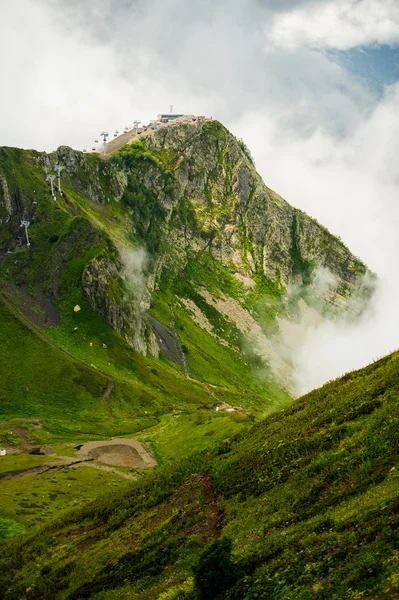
(309,85)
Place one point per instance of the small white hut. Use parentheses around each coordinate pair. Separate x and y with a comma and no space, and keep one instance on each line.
(3,451)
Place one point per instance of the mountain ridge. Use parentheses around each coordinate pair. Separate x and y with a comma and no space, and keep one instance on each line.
(190,195)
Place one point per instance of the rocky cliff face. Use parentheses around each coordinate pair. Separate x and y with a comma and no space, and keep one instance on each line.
(245,225)
(222,249)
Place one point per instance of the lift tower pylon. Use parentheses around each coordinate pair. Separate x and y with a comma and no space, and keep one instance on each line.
(58,169)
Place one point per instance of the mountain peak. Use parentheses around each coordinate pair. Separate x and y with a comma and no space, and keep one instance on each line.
(216,244)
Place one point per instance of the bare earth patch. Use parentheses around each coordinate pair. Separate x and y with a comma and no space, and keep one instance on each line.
(119,452)
(201,319)
(267,349)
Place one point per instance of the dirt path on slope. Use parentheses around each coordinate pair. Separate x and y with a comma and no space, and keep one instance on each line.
(92,465)
(36,422)
(107,391)
(45,468)
(58,466)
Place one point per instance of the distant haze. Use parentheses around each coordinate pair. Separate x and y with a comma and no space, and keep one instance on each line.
(319,134)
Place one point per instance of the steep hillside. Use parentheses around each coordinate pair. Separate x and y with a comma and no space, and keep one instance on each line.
(304,505)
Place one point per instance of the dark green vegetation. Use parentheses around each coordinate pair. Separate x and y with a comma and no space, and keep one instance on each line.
(146,206)
(308,499)
(301,266)
(215,573)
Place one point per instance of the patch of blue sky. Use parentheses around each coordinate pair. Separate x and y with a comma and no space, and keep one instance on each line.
(377,66)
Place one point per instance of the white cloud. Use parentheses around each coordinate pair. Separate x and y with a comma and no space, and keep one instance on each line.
(352,187)
(56,88)
(339,24)
(79,67)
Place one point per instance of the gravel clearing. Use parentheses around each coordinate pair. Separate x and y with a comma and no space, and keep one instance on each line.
(119,452)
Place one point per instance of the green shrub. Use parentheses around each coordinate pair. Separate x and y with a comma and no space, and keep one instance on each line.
(215,572)
(246,151)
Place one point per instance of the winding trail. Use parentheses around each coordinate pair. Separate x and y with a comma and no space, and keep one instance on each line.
(107,391)
(56,466)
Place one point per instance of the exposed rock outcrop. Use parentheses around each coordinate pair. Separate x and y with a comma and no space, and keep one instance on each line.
(103,288)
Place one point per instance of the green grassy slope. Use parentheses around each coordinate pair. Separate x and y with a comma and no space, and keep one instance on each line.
(39,380)
(58,375)
(30,502)
(308,499)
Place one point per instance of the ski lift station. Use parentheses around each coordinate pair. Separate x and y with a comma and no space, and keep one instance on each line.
(165,118)
(138,128)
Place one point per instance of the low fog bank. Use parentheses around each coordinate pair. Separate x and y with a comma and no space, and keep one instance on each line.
(134,272)
(351,186)
(334,348)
